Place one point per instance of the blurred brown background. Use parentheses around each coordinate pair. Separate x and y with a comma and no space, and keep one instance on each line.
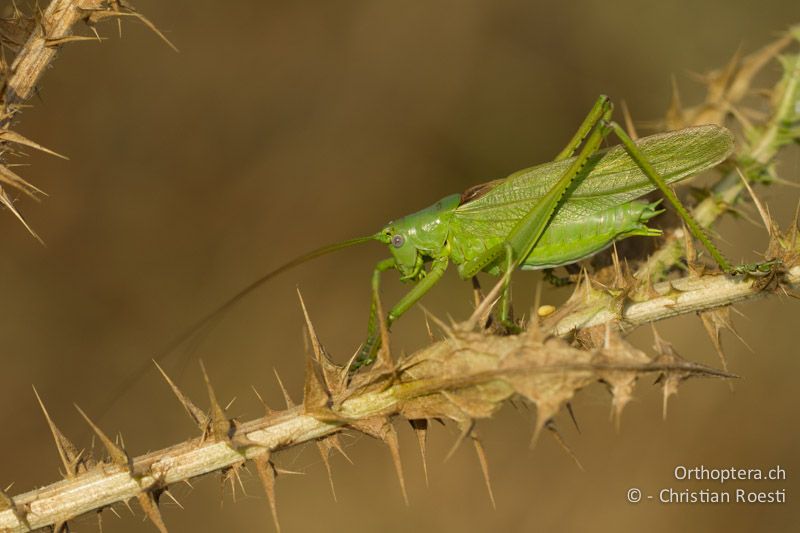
(281,126)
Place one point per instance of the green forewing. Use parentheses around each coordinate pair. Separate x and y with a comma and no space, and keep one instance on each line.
(610,178)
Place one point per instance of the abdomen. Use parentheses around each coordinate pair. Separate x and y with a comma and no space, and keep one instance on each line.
(568,242)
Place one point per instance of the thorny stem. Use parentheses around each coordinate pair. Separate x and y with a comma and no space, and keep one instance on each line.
(50,29)
(29,65)
(670,298)
(757,155)
(104,486)
(20,81)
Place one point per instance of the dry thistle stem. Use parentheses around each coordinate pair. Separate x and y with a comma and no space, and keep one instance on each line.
(463,378)
(36,39)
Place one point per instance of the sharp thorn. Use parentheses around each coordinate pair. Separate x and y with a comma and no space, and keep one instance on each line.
(315,344)
(283,471)
(171,497)
(556,435)
(150,507)
(484,468)
(69,458)
(117,454)
(572,416)
(487,304)
(420,426)
(266,471)
(337,445)
(324,450)
(390,438)
(194,412)
(466,429)
(289,402)
(759,206)
(221,426)
(267,409)
(446,329)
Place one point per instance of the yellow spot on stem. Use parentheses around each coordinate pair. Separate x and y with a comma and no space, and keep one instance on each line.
(545,310)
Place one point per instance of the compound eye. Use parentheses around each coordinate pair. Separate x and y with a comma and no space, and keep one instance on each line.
(398,241)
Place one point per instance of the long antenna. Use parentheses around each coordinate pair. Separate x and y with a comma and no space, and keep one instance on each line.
(217,313)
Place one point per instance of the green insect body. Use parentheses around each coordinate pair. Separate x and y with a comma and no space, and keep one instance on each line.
(540,217)
(599,211)
(548,215)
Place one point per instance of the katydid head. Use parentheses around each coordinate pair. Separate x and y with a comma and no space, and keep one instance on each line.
(419,236)
(401,238)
